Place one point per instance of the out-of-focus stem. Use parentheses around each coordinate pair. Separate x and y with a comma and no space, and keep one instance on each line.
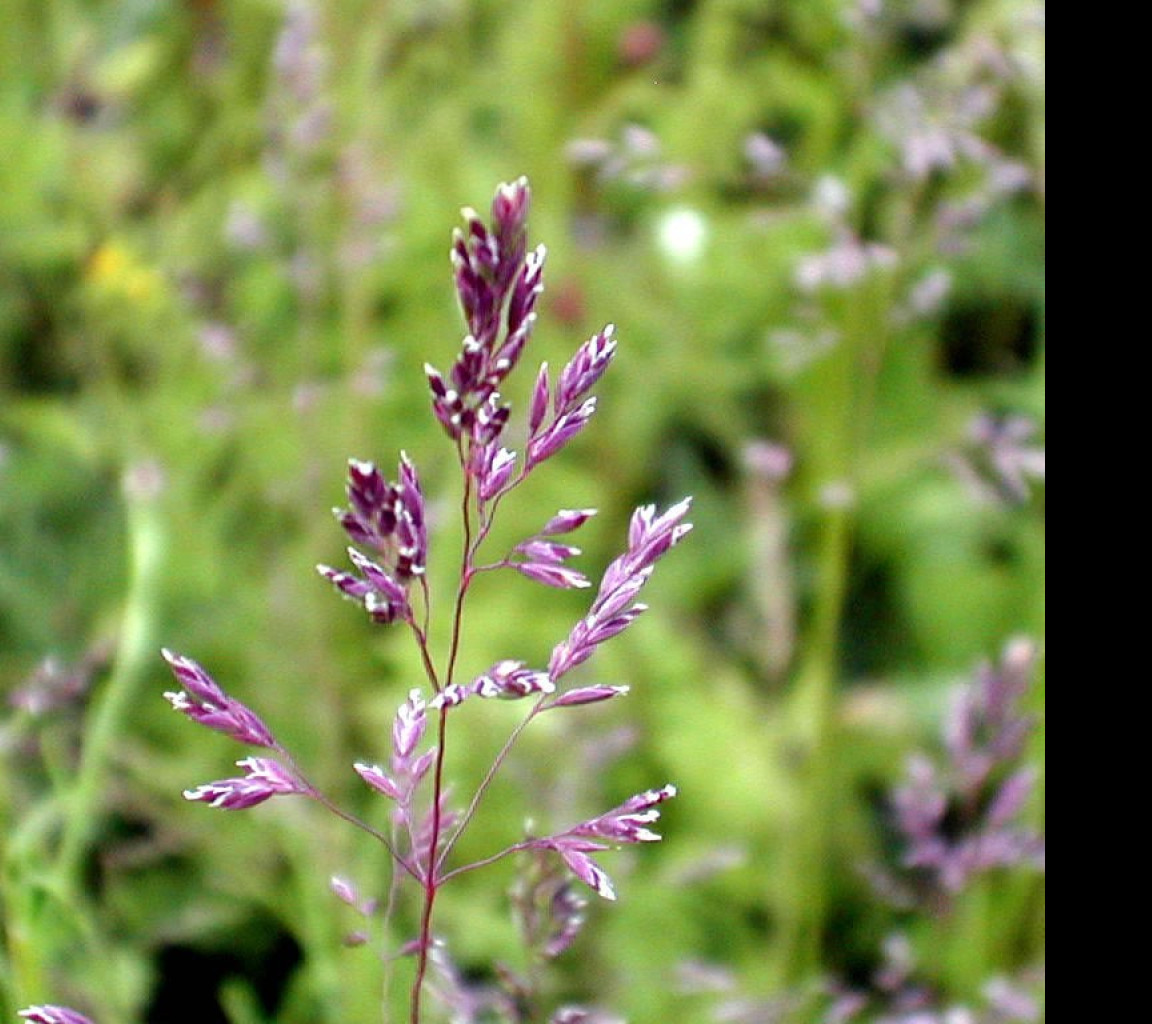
(838,399)
(135,644)
(770,577)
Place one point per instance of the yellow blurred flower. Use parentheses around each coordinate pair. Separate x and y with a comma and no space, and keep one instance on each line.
(114,270)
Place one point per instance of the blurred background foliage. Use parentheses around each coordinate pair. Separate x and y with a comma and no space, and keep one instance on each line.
(819,227)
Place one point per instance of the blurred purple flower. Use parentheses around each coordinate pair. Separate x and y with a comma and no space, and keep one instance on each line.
(244,229)
(768,461)
(844,264)
(567,912)
(1009,1002)
(832,200)
(767,158)
(470,1002)
(896,996)
(794,350)
(54,685)
(439,821)
(300,64)
(698,977)
(296,58)
(549,910)
(959,819)
(640,43)
(1000,461)
(925,298)
(582,1015)
(987,727)
(344,891)
(936,127)
(635,158)
(861,12)
(218,342)
(937,122)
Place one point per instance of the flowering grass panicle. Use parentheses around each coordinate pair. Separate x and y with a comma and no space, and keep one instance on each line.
(498,283)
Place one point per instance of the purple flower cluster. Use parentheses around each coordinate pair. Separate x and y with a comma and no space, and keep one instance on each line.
(498,283)
(388,519)
(506,680)
(959,817)
(558,416)
(498,286)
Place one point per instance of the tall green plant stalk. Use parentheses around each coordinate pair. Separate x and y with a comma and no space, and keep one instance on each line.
(83,804)
(835,400)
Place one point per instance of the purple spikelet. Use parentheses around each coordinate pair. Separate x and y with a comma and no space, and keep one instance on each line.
(629,823)
(650,537)
(263,779)
(390,520)
(53,1015)
(204,702)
